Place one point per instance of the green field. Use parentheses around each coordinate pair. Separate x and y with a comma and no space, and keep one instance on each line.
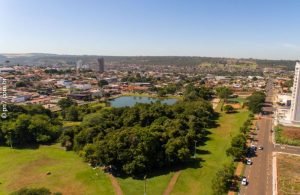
(155,185)
(69,174)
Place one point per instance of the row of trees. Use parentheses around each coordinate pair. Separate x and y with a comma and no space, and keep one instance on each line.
(142,138)
(239,142)
(224,178)
(28,125)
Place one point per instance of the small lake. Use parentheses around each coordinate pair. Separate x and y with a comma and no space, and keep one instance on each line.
(132,100)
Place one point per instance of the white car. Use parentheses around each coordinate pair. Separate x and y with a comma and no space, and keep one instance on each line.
(249,162)
(244,181)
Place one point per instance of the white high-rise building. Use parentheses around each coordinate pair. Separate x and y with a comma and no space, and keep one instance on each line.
(295,103)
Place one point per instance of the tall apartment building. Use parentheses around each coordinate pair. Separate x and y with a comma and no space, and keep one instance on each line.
(295,103)
(100,65)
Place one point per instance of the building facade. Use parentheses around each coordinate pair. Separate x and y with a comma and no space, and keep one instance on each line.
(295,103)
(100,65)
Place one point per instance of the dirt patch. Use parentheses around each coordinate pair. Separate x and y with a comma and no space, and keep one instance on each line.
(115,184)
(288,174)
(239,169)
(172,183)
(28,176)
(235,106)
(215,102)
(291,132)
(71,189)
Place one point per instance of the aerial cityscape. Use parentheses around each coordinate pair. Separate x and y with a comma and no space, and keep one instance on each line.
(149,97)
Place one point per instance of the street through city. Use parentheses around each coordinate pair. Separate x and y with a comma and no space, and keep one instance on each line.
(259,174)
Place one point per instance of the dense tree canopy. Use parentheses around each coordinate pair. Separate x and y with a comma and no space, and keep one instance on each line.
(238,146)
(255,101)
(223,92)
(142,138)
(194,93)
(223,180)
(66,103)
(29,125)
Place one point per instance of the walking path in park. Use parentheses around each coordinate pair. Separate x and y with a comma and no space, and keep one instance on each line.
(172,183)
(115,184)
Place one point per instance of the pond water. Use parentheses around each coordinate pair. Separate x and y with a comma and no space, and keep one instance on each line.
(132,100)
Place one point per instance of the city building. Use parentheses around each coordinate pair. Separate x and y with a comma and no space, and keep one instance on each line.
(100,66)
(288,110)
(295,103)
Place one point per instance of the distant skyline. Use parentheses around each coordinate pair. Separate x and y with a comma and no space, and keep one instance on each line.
(266,29)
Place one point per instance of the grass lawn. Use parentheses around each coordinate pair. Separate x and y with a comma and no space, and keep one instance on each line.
(238,99)
(288,174)
(198,180)
(155,185)
(69,174)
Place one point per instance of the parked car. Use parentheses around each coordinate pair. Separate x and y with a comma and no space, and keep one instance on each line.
(253,147)
(244,181)
(249,162)
(260,148)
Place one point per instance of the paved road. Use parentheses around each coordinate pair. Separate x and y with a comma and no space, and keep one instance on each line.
(259,173)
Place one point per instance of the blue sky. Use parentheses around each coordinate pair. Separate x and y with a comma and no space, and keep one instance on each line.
(224,28)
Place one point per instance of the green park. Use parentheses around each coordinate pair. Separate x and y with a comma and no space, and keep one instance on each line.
(149,147)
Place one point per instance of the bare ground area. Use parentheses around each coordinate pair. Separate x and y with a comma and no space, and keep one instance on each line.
(172,183)
(115,184)
(235,106)
(291,132)
(288,174)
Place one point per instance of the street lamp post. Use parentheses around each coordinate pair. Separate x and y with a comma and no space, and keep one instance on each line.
(195,148)
(145,180)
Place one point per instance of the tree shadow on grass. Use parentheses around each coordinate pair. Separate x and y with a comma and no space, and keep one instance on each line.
(28,146)
(232,112)
(204,139)
(202,152)
(193,163)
